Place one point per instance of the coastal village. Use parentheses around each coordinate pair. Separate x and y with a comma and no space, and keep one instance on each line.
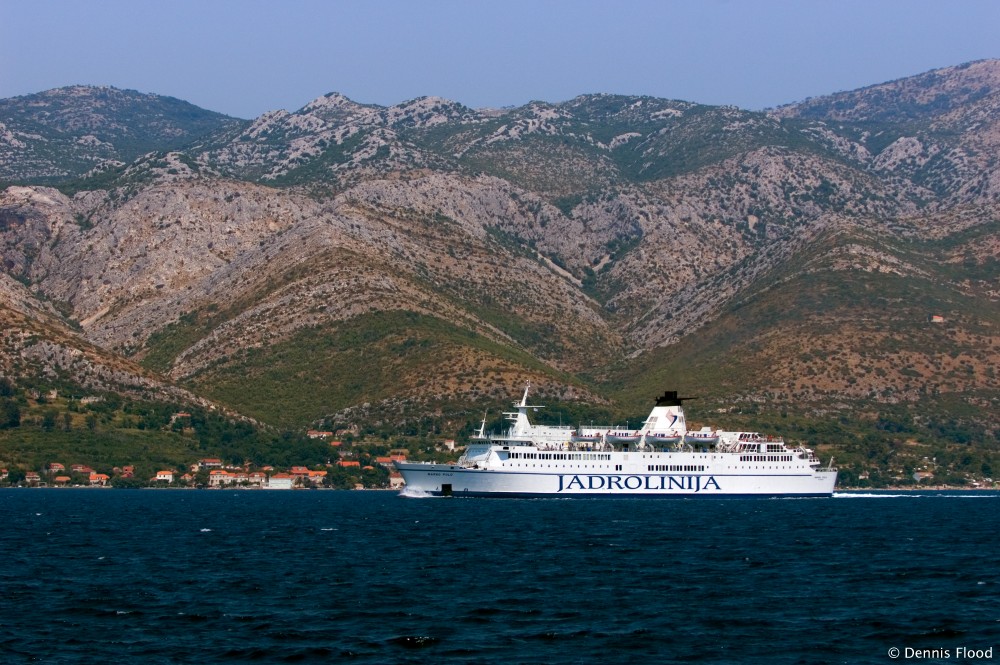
(345,470)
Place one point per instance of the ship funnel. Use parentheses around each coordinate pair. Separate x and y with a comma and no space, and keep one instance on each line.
(670,398)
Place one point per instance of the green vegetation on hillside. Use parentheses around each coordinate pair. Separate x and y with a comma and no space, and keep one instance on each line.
(368,358)
(113,432)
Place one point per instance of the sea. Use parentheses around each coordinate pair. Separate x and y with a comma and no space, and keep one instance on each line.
(234,576)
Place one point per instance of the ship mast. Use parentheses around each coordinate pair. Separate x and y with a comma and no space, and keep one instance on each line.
(522,426)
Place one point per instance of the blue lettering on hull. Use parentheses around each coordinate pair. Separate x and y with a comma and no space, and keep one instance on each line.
(627,484)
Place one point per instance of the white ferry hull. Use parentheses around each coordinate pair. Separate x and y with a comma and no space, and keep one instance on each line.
(453,480)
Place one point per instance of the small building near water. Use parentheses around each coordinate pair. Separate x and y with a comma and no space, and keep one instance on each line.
(280,481)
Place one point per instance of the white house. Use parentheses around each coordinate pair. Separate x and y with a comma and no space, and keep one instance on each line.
(280,481)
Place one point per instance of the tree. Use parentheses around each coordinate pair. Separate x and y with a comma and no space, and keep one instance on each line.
(118,482)
(49,419)
(10,414)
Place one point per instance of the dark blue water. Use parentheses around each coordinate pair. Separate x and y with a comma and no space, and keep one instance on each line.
(369,577)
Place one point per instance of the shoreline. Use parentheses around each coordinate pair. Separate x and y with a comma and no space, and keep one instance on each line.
(910,488)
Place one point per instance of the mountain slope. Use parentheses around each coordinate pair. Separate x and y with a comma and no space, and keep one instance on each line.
(940,130)
(41,351)
(849,317)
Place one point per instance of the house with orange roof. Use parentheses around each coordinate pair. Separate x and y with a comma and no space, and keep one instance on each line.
(220,477)
(210,463)
(164,477)
(99,479)
(56,467)
(396,480)
(316,434)
(349,463)
(32,478)
(61,480)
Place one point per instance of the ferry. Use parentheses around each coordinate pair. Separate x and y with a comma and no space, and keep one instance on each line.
(660,459)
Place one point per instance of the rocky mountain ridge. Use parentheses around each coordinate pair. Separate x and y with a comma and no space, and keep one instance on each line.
(454,253)
(68,132)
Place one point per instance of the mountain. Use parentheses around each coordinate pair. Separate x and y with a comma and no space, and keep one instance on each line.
(66,133)
(397,269)
(939,130)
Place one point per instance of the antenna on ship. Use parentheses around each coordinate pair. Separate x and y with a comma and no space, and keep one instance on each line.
(524,399)
(481,434)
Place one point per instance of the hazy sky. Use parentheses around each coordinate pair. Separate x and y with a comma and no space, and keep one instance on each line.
(245,57)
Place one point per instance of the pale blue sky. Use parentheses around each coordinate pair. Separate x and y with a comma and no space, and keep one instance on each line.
(245,57)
